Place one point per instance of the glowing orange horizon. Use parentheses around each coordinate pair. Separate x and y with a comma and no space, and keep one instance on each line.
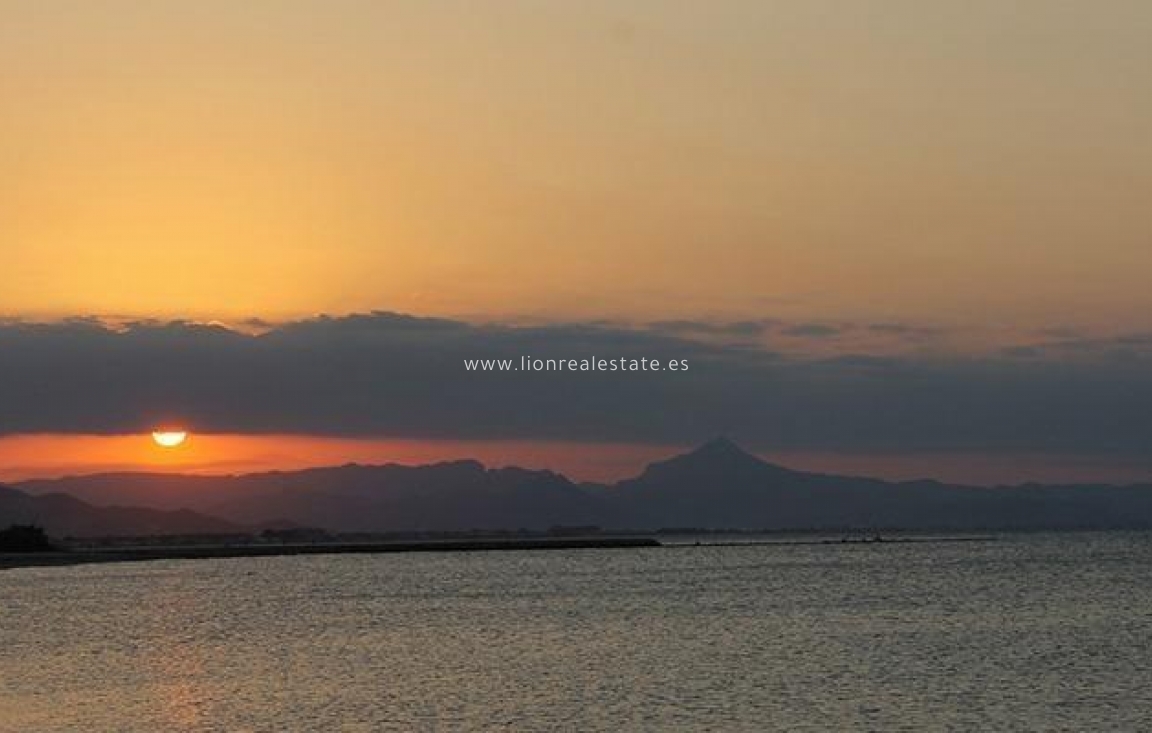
(47,455)
(53,455)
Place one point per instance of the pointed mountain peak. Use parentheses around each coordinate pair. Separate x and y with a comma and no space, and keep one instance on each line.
(721,453)
(721,446)
(717,457)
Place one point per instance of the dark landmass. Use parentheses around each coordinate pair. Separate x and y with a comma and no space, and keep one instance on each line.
(25,538)
(63,515)
(81,555)
(716,486)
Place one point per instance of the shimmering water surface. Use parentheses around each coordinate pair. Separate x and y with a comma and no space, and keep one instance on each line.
(1029,632)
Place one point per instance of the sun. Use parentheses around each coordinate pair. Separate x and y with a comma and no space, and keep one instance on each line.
(169,438)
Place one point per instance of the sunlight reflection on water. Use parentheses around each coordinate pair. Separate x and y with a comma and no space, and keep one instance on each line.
(1031,631)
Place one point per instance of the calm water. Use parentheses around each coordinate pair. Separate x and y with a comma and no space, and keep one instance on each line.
(1031,632)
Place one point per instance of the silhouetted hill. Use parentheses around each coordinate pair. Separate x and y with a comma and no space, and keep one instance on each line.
(721,486)
(62,515)
(457,495)
(446,496)
(718,486)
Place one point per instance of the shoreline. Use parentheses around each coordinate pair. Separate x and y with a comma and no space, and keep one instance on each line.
(62,558)
(896,540)
(143,553)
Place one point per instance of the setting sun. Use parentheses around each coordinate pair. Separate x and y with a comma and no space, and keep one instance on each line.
(169,438)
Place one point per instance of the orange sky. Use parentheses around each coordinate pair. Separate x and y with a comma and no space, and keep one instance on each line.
(954,162)
(980,166)
(46,456)
(28,456)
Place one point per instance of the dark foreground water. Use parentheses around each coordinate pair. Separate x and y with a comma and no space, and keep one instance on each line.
(1030,632)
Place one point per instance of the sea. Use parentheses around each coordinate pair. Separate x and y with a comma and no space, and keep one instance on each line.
(1028,632)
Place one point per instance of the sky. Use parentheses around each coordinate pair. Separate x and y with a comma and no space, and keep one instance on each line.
(951,194)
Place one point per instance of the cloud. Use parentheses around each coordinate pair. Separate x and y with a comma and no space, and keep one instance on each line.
(812,330)
(910,331)
(387,374)
(735,329)
(813,336)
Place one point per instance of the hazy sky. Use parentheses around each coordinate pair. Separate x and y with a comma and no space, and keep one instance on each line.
(940,161)
(906,230)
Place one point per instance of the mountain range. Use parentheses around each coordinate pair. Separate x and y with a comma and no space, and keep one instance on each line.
(716,486)
(66,516)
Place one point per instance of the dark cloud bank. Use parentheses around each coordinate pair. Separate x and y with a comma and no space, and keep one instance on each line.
(393,375)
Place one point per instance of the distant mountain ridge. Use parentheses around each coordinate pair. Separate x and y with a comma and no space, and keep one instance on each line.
(63,515)
(716,486)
